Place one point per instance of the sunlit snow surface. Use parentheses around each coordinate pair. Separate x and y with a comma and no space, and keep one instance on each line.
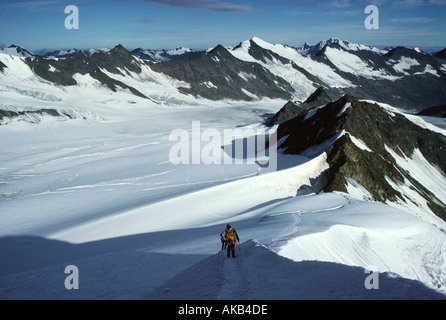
(99,192)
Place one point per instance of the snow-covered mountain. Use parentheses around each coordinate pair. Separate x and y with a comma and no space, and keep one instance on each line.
(16,50)
(63,53)
(312,50)
(163,55)
(176,54)
(402,77)
(87,179)
(397,78)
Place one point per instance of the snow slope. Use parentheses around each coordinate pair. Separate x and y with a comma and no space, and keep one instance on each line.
(351,63)
(324,72)
(100,193)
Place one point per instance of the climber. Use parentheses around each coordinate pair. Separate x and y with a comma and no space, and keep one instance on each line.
(231,238)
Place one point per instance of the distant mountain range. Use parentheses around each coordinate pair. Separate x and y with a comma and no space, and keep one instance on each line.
(146,54)
(254,69)
(161,55)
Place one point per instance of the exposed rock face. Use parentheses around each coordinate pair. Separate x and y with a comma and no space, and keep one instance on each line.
(61,71)
(214,75)
(219,75)
(293,109)
(365,144)
(9,114)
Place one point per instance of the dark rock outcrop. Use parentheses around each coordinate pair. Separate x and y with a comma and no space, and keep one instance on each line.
(217,75)
(438,111)
(441,54)
(293,109)
(61,71)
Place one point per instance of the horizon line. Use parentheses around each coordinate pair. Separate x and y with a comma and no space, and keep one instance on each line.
(128,48)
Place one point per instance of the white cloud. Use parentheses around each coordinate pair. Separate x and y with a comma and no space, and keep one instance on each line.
(30,4)
(412,20)
(339,3)
(211,5)
(408,3)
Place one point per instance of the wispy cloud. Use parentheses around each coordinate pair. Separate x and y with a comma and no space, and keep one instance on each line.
(338,3)
(352,3)
(212,5)
(334,13)
(408,3)
(30,4)
(345,13)
(418,3)
(412,20)
(392,3)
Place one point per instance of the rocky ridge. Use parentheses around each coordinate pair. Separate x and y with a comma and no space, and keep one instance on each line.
(368,147)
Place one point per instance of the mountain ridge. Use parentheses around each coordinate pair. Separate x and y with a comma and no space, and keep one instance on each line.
(403,77)
(370,148)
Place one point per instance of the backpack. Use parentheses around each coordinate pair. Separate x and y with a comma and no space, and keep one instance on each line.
(231,236)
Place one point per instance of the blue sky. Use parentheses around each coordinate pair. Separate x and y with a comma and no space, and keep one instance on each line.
(201,24)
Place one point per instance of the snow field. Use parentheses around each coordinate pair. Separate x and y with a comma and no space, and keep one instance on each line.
(113,228)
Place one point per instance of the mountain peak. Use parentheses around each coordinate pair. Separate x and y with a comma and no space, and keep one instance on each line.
(119,47)
(120,53)
(16,50)
(15,46)
(318,97)
(309,50)
(404,51)
(292,109)
(255,38)
(333,40)
(218,49)
(260,42)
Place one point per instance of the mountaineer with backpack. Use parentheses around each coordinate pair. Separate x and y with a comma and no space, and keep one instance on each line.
(231,238)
